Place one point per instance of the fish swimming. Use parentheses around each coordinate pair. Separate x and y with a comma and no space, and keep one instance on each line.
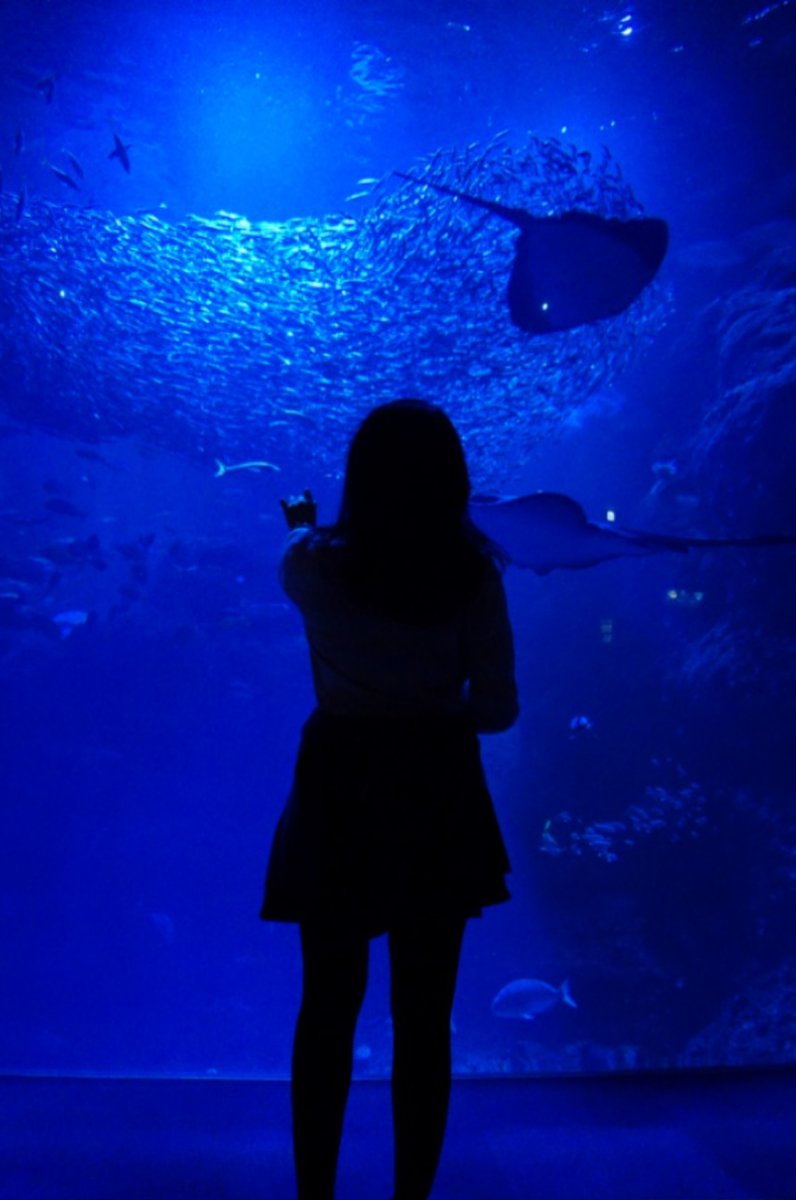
(546,530)
(75,164)
(524,999)
(576,268)
(64,177)
(224,469)
(120,151)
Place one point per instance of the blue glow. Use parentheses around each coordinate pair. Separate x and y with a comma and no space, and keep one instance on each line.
(250,288)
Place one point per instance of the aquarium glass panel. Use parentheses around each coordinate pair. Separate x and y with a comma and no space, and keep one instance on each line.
(227,232)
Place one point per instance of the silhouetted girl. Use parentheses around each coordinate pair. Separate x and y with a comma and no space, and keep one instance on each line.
(389,826)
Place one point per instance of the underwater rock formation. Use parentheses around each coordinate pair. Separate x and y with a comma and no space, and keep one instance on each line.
(737,651)
(756,1025)
(755,330)
(740,654)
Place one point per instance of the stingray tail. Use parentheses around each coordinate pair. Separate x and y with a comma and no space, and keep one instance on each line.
(666,541)
(654,542)
(517,216)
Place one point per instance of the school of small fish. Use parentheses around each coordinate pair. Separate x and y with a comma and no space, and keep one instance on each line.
(234,340)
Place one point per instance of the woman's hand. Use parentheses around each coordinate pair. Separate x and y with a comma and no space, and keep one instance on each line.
(299,510)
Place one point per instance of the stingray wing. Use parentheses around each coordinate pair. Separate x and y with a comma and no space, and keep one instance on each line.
(580,268)
(572,269)
(546,530)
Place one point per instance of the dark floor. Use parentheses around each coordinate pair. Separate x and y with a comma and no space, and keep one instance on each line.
(689,1136)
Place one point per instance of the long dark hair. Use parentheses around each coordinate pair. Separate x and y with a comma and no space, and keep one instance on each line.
(410,550)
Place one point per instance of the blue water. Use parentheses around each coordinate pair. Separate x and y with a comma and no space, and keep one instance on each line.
(241,294)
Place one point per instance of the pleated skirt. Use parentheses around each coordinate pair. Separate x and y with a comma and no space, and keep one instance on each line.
(388,820)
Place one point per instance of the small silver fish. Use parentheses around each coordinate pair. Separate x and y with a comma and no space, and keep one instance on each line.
(524,999)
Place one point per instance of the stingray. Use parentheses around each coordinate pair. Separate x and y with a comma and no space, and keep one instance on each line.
(576,268)
(547,530)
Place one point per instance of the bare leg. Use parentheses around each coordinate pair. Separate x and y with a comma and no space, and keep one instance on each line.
(335,976)
(424,960)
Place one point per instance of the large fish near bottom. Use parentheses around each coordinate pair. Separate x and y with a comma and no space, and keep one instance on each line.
(547,530)
(576,268)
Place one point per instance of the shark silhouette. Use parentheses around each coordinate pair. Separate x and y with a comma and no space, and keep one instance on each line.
(547,530)
(575,268)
